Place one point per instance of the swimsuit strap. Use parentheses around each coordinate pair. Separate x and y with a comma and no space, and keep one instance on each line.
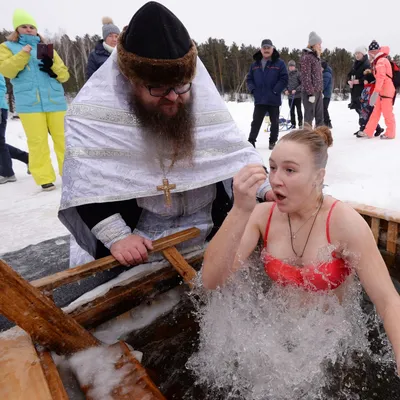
(268,224)
(328,221)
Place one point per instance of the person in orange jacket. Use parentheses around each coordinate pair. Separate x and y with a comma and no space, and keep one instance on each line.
(384,93)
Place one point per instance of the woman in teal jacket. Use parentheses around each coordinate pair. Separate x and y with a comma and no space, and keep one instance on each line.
(39,96)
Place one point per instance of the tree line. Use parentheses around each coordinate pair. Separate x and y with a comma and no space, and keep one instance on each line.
(227,65)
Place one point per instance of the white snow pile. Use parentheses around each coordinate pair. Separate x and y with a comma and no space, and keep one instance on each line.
(95,369)
(139,317)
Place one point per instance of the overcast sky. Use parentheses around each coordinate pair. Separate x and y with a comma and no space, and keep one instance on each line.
(341,23)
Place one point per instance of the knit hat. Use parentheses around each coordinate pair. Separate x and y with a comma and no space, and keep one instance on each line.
(155,48)
(267,43)
(324,64)
(374,46)
(292,63)
(361,49)
(314,39)
(21,17)
(109,27)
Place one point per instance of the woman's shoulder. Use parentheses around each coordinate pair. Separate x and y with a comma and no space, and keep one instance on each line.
(345,221)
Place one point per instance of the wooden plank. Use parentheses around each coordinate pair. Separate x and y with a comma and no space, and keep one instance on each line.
(52,282)
(180,264)
(132,383)
(375,226)
(375,212)
(123,298)
(392,235)
(30,309)
(136,384)
(53,379)
(21,375)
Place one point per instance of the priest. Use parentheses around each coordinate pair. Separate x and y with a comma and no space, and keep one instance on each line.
(151,147)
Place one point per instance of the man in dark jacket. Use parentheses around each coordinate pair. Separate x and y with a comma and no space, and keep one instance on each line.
(356,80)
(103,47)
(266,80)
(294,94)
(327,91)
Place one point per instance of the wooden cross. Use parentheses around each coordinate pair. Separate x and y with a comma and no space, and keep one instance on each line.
(166,188)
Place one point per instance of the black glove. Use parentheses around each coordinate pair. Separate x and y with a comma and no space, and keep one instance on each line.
(46,65)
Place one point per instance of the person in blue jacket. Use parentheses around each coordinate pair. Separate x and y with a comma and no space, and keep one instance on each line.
(103,47)
(7,152)
(266,80)
(327,92)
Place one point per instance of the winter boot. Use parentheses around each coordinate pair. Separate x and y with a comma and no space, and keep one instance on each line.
(271,146)
(385,137)
(379,131)
(48,187)
(362,134)
(5,179)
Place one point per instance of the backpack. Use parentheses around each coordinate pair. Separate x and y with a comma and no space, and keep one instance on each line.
(395,74)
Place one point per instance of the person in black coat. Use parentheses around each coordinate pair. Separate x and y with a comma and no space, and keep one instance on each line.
(103,47)
(356,78)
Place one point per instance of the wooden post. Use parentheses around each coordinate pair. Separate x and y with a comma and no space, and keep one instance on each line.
(25,305)
(375,226)
(180,264)
(53,379)
(392,234)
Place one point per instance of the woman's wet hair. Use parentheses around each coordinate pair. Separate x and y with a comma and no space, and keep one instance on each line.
(317,140)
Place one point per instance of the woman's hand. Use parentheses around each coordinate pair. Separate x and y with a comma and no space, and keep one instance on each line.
(245,185)
(27,49)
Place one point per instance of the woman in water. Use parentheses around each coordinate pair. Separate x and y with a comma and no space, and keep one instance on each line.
(298,227)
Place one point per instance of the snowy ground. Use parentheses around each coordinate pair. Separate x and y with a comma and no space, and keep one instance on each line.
(359,170)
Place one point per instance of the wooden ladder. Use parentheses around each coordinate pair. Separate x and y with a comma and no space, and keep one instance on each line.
(30,306)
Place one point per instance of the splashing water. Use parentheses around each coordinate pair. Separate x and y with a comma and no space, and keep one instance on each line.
(259,340)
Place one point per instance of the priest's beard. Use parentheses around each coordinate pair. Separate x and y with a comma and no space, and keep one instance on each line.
(172,137)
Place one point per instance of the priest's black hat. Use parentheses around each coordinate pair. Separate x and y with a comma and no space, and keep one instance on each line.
(156,49)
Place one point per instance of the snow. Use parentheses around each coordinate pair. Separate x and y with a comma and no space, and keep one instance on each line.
(139,317)
(359,170)
(95,369)
(27,215)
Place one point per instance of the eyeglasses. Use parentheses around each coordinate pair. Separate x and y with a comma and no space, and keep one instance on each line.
(163,91)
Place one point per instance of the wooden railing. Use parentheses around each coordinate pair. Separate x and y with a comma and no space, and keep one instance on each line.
(385,228)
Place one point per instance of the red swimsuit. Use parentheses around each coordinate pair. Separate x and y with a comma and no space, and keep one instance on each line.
(325,276)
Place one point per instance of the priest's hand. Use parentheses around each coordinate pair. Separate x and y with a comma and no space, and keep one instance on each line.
(245,185)
(132,250)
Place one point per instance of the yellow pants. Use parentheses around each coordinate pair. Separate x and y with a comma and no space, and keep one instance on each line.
(37,127)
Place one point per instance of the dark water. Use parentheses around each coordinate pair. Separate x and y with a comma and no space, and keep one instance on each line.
(169,342)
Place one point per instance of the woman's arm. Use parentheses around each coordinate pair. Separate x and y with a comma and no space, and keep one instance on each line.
(373,273)
(60,69)
(219,258)
(11,65)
